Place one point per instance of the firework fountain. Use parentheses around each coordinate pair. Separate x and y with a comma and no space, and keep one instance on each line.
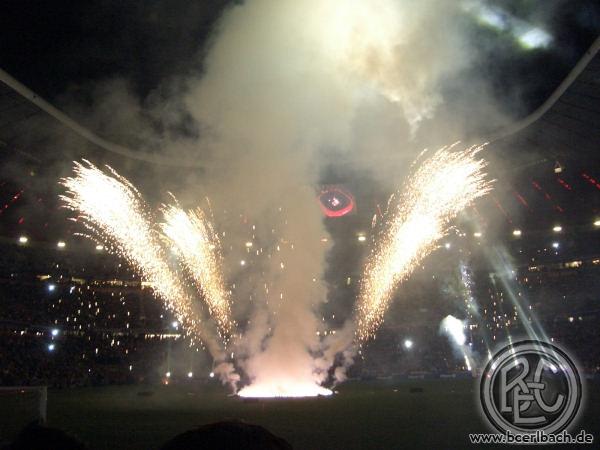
(114,213)
(441,187)
(198,248)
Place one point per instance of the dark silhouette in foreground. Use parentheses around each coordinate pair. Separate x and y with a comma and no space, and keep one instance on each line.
(227,436)
(38,437)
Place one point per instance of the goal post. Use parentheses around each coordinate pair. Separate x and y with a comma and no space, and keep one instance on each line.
(20,406)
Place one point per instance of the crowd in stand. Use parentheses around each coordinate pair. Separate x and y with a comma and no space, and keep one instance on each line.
(39,358)
(97,326)
(62,326)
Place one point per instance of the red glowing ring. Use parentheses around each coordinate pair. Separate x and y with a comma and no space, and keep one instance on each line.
(349,207)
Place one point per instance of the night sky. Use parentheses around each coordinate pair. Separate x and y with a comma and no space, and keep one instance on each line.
(50,46)
(62,50)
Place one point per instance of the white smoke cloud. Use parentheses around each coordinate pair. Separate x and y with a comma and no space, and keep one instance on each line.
(284,82)
(287,87)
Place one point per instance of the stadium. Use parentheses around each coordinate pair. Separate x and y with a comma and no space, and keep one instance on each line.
(220,228)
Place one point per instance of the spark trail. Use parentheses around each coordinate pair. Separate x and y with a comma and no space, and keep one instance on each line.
(194,238)
(112,209)
(441,187)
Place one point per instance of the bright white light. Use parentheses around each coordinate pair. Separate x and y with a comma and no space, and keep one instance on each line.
(51,287)
(493,19)
(51,347)
(535,38)
(468,363)
(175,324)
(528,36)
(99,247)
(557,229)
(517,233)
(190,374)
(54,332)
(242,262)
(362,238)
(284,389)
(408,344)
(455,329)
(23,240)
(248,244)
(597,223)
(477,234)
(212,374)
(555,245)
(447,245)
(61,244)
(168,374)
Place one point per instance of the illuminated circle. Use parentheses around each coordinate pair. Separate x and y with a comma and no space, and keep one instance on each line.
(336,201)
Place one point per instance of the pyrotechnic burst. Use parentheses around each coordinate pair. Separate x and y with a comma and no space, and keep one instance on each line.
(455,329)
(113,210)
(196,242)
(285,388)
(440,188)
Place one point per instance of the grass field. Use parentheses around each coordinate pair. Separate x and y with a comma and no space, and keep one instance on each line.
(377,415)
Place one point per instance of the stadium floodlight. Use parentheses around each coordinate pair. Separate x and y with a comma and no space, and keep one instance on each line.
(447,245)
(51,287)
(212,374)
(190,374)
(477,234)
(168,374)
(61,244)
(555,245)
(242,262)
(408,344)
(175,324)
(249,244)
(54,332)
(517,233)
(23,239)
(557,229)
(99,247)
(558,168)
(362,238)
(51,347)
(597,223)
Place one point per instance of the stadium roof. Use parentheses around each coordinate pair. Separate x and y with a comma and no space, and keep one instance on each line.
(566,125)
(565,130)
(28,123)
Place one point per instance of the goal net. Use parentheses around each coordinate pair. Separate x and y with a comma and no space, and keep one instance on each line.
(20,406)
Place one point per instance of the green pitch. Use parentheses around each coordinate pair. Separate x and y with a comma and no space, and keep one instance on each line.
(375,415)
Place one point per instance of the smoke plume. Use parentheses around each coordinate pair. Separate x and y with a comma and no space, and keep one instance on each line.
(287,89)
